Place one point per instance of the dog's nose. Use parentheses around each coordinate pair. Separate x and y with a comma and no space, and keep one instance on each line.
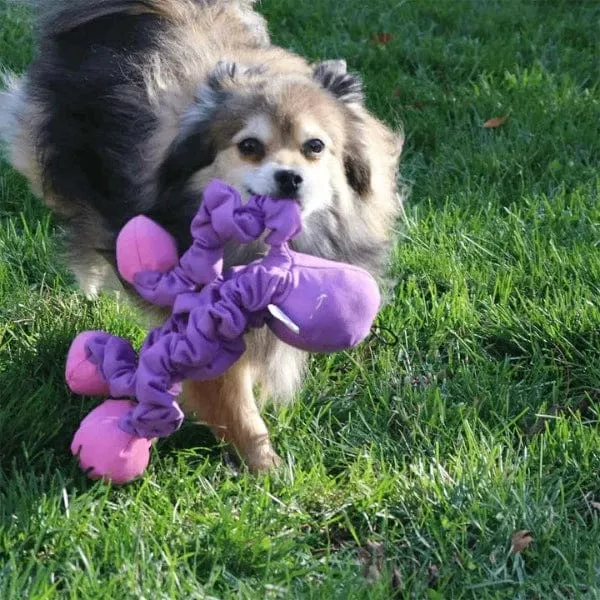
(288,182)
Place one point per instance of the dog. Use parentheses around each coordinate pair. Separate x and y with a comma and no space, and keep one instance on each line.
(133,106)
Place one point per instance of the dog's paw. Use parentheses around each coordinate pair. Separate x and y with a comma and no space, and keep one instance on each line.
(262,458)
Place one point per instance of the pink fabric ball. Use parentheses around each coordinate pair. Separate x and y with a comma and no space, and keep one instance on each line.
(105,450)
(143,245)
(81,374)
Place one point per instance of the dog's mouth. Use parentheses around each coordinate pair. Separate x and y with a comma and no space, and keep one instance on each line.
(251,192)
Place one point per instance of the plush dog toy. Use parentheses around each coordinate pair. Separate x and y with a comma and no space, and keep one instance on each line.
(308,302)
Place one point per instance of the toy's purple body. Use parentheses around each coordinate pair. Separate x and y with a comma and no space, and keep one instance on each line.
(332,305)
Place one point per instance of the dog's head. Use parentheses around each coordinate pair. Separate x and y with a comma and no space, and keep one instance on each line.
(289,135)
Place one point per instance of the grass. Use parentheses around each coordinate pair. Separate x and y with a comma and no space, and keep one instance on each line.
(411,462)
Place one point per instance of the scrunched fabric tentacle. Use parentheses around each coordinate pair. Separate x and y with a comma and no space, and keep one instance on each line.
(221,218)
(157,413)
(116,362)
(211,342)
(162,289)
(281,217)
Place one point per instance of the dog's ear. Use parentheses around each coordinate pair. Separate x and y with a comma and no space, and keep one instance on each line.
(228,74)
(223,74)
(334,77)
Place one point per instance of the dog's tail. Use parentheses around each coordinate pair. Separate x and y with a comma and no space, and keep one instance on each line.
(10,105)
(13,138)
(58,16)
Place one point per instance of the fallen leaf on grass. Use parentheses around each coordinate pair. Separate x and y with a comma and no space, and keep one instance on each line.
(383,38)
(521,540)
(495,122)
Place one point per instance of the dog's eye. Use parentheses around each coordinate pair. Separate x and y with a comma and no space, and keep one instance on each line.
(251,147)
(313,147)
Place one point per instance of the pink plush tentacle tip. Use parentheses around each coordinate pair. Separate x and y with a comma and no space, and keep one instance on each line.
(107,452)
(143,245)
(81,373)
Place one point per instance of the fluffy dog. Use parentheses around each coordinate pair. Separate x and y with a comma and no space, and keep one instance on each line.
(132,106)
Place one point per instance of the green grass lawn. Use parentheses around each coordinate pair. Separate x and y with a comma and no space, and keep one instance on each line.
(408,465)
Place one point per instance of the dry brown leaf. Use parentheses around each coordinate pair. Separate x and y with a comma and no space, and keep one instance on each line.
(383,38)
(495,122)
(521,540)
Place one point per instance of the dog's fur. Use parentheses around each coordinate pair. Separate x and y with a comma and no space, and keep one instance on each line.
(133,106)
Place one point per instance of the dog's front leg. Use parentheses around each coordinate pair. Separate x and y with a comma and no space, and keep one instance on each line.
(227,405)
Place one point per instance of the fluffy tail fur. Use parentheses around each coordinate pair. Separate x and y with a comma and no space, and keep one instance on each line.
(13,137)
(11,104)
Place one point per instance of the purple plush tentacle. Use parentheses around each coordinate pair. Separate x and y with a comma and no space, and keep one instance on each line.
(221,218)
(161,289)
(209,344)
(281,217)
(116,362)
(157,413)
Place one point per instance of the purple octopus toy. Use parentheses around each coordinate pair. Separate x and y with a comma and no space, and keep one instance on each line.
(308,302)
